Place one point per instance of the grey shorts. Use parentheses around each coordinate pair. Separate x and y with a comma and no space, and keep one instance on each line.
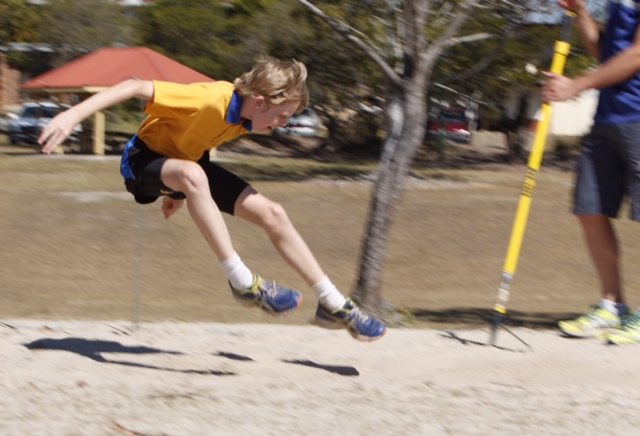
(609,171)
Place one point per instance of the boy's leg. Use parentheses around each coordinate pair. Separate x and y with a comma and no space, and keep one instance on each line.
(273,219)
(334,310)
(190,178)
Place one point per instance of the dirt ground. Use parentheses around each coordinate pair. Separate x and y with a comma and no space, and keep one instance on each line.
(114,321)
(63,378)
(76,246)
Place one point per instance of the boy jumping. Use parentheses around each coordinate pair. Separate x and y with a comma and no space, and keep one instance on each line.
(169,158)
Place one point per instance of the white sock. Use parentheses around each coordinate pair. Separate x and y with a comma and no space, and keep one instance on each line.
(239,275)
(328,294)
(613,307)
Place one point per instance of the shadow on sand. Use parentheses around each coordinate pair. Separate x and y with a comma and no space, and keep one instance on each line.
(482,317)
(348,371)
(93,349)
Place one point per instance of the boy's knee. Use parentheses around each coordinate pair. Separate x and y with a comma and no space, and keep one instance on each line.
(275,215)
(193,177)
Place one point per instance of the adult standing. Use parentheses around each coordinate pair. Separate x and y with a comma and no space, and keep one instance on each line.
(609,165)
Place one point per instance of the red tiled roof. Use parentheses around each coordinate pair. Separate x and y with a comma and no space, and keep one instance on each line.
(109,66)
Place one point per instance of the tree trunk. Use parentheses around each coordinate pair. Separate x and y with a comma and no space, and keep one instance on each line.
(407,116)
(406,110)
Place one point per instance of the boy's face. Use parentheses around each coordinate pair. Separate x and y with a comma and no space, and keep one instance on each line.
(266,118)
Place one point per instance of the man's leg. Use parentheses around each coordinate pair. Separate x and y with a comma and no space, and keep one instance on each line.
(598,194)
(629,330)
(603,247)
(602,244)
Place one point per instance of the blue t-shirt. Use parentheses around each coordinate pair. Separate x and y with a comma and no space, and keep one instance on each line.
(620,103)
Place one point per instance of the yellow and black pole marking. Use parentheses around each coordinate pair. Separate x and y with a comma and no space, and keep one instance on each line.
(562,48)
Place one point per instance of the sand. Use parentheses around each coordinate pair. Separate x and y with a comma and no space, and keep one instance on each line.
(97,378)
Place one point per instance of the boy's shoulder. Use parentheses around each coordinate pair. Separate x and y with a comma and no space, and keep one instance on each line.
(208,93)
(217,83)
(219,86)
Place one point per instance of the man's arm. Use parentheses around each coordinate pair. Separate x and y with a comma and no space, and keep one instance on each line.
(616,70)
(63,124)
(587,26)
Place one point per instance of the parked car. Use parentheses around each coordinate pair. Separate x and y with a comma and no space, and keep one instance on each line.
(6,120)
(32,119)
(452,123)
(306,123)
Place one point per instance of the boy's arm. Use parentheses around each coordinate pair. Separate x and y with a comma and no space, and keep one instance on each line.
(61,126)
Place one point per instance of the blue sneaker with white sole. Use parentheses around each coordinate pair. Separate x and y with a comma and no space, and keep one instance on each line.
(269,296)
(350,317)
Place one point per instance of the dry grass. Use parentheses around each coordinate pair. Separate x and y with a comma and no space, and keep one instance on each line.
(76,246)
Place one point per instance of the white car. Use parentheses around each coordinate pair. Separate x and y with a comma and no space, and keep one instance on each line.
(26,128)
(305,123)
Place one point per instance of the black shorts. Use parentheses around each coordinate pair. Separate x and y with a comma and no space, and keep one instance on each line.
(609,171)
(141,168)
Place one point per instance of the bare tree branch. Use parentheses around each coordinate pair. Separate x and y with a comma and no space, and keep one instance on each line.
(415,41)
(445,40)
(508,33)
(350,35)
(471,38)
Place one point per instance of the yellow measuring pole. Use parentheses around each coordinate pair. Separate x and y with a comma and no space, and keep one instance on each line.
(562,49)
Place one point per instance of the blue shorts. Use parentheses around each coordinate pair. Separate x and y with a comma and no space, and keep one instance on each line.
(609,171)
(141,168)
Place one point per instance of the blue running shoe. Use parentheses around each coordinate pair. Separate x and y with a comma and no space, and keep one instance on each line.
(268,296)
(360,325)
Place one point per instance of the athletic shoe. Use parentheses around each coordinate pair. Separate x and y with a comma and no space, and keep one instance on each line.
(594,323)
(360,325)
(270,297)
(628,332)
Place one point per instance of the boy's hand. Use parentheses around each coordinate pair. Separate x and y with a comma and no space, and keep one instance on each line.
(170,206)
(58,129)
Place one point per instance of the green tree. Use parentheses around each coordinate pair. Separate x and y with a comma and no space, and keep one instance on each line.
(213,37)
(345,85)
(498,66)
(18,22)
(77,27)
(405,40)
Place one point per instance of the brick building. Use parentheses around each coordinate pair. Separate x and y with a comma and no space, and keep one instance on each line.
(9,84)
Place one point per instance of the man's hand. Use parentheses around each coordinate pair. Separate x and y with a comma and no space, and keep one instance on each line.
(559,88)
(58,129)
(170,206)
(573,5)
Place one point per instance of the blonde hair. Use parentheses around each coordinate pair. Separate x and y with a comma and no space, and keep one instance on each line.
(277,81)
